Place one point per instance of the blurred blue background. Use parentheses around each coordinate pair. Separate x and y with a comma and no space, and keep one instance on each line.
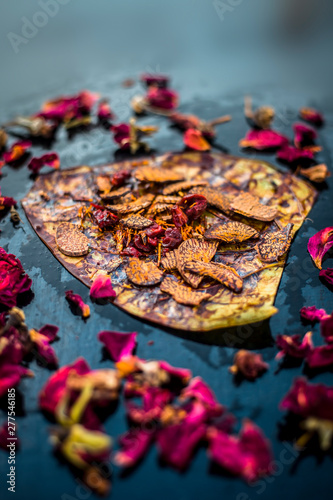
(229,45)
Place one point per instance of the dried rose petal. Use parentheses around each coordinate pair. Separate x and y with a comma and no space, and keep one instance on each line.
(17,151)
(317,173)
(165,99)
(293,346)
(199,390)
(326,328)
(194,139)
(249,364)
(133,446)
(13,280)
(290,154)
(312,314)
(65,108)
(320,357)
(161,81)
(154,231)
(183,374)
(311,115)
(10,375)
(118,344)
(320,244)
(179,218)
(327,275)
(50,159)
(77,301)
(121,135)
(104,112)
(45,353)
(248,455)
(264,139)
(177,443)
(154,401)
(304,135)
(308,400)
(102,288)
(6,202)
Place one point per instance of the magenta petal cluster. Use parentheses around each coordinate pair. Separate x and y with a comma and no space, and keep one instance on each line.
(312,314)
(118,344)
(13,279)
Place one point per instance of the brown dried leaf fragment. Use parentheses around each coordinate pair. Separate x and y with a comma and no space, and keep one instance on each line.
(273,245)
(71,241)
(103,183)
(183,294)
(182,186)
(249,364)
(158,208)
(118,193)
(249,205)
(231,232)
(154,174)
(143,273)
(134,206)
(193,249)
(172,200)
(317,174)
(214,197)
(137,222)
(169,262)
(225,275)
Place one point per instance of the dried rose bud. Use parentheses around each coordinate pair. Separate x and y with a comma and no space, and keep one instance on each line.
(249,364)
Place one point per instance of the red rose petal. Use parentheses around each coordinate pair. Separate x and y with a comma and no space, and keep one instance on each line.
(264,139)
(118,344)
(320,244)
(75,299)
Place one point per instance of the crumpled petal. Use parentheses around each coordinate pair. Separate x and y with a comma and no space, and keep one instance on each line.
(264,139)
(45,353)
(183,374)
(104,112)
(165,99)
(291,154)
(121,135)
(158,80)
(194,139)
(304,135)
(320,357)
(308,400)
(118,344)
(326,328)
(10,375)
(327,275)
(154,401)
(6,202)
(16,151)
(312,314)
(65,108)
(320,244)
(249,364)
(55,388)
(102,288)
(248,455)
(317,173)
(199,390)
(134,444)
(294,346)
(13,280)
(311,115)
(50,159)
(177,443)
(75,299)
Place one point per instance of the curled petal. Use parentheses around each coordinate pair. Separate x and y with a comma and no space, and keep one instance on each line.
(320,357)
(199,390)
(317,174)
(326,328)
(121,135)
(327,275)
(293,346)
(183,374)
(311,115)
(248,455)
(50,159)
(304,135)
(154,401)
(17,151)
(249,364)
(77,301)
(118,344)
(102,288)
(320,244)
(309,400)
(290,154)
(264,139)
(312,314)
(177,443)
(194,139)
(10,376)
(13,280)
(133,446)
(69,107)
(44,352)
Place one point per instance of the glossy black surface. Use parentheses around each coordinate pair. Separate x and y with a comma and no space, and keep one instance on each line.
(209,88)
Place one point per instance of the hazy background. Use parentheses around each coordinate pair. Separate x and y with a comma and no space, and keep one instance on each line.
(283,43)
